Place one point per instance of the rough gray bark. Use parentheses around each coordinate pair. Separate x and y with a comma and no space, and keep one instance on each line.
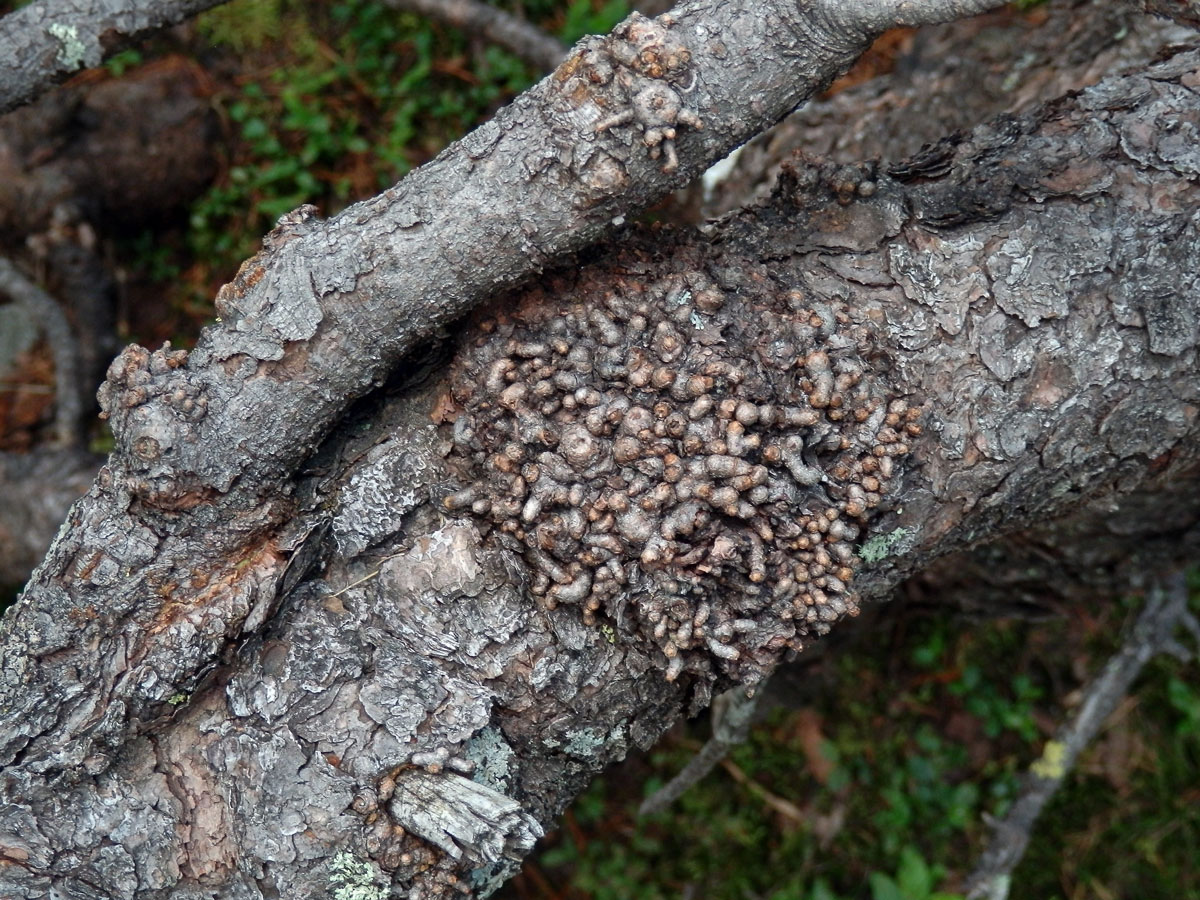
(191,526)
(49,40)
(948,79)
(1026,288)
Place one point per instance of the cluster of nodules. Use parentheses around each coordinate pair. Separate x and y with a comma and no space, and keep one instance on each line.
(136,375)
(701,463)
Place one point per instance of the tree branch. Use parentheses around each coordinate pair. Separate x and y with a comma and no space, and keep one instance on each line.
(530,43)
(206,447)
(38,489)
(68,401)
(1186,12)
(1153,633)
(546,549)
(49,40)
(730,728)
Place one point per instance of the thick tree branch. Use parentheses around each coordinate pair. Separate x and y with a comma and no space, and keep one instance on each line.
(950,78)
(193,516)
(543,553)
(49,40)
(530,43)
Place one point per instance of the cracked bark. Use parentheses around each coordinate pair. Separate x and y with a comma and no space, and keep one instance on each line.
(949,78)
(1027,286)
(190,527)
(48,41)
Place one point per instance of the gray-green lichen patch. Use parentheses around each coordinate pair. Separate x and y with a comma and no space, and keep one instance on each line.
(72,52)
(585,743)
(486,880)
(493,759)
(884,545)
(351,878)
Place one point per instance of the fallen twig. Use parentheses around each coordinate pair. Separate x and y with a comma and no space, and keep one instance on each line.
(68,402)
(527,41)
(732,714)
(1153,633)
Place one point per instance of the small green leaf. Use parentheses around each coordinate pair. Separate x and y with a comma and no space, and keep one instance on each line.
(883,888)
(914,878)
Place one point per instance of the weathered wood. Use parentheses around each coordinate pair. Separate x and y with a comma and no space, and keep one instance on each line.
(181,544)
(1024,287)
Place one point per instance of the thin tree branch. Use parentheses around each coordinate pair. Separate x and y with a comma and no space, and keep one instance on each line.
(37,488)
(733,712)
(68,405)
(1154,633)
(48,41)
(527,41)
(1186,12)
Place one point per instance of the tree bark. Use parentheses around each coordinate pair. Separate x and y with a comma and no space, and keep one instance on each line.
(537,553)
(949,78)
(192,524)
(47,41)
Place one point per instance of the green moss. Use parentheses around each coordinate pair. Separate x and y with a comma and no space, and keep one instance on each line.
(243,24)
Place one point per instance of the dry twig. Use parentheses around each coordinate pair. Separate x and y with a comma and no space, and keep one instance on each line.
(527,41)
(1153,633)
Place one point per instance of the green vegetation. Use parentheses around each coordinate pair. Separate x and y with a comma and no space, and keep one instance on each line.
(338,100)
(323,102)
(876,785)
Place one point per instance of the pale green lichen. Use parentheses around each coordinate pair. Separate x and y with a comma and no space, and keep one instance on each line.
(584,743)
(486,881)
(493,759)
(351,878)
(72,54)
(884,545)
(587,742)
